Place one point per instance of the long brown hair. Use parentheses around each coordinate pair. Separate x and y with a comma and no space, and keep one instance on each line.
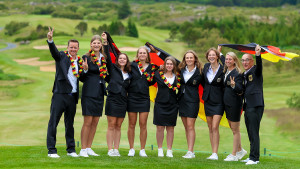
(172,59)
(236,62)
(96,37)
(197,63)
(127,67)
(215,50)
(148,60)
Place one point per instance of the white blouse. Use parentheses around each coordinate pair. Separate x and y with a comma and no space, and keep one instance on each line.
(187,75)
(210,73)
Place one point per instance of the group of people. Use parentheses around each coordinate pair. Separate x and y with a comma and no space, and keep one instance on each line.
(225,88)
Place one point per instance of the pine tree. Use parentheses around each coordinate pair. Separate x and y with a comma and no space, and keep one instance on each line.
(124,10)
(131,29)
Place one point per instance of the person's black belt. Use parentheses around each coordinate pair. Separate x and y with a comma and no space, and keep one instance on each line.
(72,94)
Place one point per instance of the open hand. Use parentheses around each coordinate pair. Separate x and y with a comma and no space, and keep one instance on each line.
(50,34)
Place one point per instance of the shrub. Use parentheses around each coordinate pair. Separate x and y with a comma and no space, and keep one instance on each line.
(12,27)
(294,101)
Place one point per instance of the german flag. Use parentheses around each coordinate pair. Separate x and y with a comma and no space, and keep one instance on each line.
(270,53)
(113,49)
(159,60)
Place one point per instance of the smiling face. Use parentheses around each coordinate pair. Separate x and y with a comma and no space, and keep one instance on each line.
(247,61)
(229,61)
(169,66)
(190,59)
(73,48)
(142,54)
(212,57)
(96,45)
(122,60)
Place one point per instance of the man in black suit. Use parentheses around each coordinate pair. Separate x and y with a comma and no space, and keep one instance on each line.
(254,102)
(65,95)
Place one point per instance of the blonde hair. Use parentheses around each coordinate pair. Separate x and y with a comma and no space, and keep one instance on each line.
(97,37)
(236,62)
(148,60)
(197,63)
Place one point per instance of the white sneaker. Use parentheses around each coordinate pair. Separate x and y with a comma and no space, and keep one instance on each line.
(160,152)
(53,155)
(111,153)
(72,154)
(116,151)
(241,154)
(131,152)
(214,156)
(83,153)
(143,153)
(169,153)
(246,160)
(91,152)
(231,157)
(250,162)
(189,154)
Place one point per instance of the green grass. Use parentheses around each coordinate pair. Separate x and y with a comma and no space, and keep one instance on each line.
(34,157)
(24,114)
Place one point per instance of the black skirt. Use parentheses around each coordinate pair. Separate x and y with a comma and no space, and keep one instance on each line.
(116,105)
(233,113)
(138,103)
(92,106)
(213,109)
(165,114)
(188,109)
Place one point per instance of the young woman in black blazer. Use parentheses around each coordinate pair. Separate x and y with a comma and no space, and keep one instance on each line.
(93,90)
(116,102)
(138,98)
(213,97)
(191,77)
(166,108)
(233,101)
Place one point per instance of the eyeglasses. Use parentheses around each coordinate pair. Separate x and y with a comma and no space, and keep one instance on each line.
(246,60)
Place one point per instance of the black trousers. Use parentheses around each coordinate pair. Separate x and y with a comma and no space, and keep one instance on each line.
(61,103)
(253,117)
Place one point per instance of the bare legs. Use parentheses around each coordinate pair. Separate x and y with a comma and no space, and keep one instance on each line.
(88,131)
(113,134)
(213,126)
(189,125)
(132,116)
(235,128)
(160,136)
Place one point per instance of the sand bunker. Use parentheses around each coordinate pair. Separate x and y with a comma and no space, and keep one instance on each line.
(46,66)
(46,47)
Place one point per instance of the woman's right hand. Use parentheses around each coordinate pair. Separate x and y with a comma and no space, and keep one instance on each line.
(85,64)
(50,34)
(219,48)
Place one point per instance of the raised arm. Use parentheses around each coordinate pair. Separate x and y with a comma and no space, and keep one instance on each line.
(258,70)
(237,84)
(106,50)
(222,57)
(53,50)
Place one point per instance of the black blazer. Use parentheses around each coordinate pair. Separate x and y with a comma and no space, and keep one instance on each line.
(254,85)
(91,80)
(62,84)
(164,93)
(233,96)
(139,83)
(213,92)
(191,87)
(116,83)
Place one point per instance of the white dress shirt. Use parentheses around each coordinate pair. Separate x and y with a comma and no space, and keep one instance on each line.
(187,75)
(210,73)
(171,79)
